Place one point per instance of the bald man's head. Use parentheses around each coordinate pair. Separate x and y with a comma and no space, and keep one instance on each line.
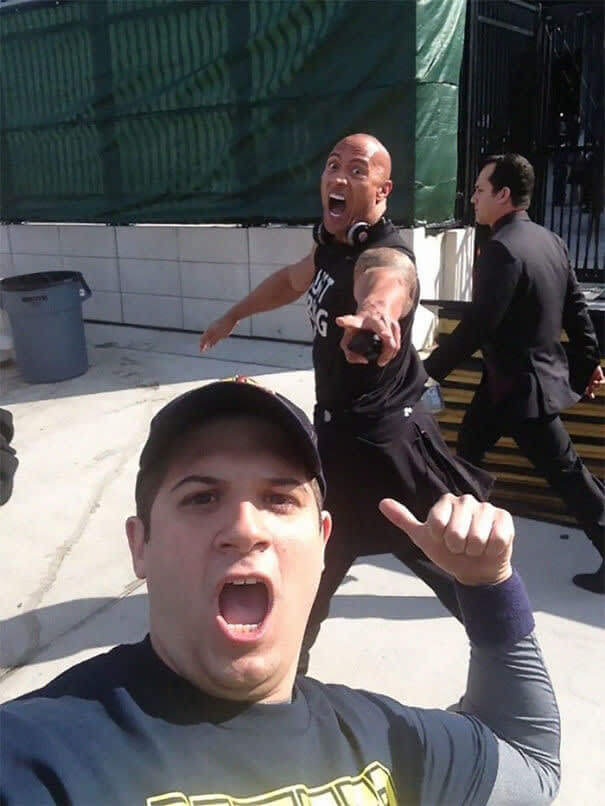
(355,183)
(377,152)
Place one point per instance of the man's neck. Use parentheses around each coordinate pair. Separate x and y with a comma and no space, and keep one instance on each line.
(341,237)
(509,212)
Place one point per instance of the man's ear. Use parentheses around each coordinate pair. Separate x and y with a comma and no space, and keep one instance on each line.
(326,527)
(503,194)
(383,191)
(136,533)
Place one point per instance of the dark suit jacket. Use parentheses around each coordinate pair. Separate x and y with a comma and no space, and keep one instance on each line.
(524,293)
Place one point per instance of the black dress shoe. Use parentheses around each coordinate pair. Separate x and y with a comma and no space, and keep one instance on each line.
(595,582)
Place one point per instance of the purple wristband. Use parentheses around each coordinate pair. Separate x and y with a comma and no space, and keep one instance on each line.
(496,614)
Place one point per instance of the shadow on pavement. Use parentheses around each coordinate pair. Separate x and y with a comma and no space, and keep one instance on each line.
(94,622)
(104,621)
(130,358)
(547,556)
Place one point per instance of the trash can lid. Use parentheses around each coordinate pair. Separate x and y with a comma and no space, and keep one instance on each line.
(41,279)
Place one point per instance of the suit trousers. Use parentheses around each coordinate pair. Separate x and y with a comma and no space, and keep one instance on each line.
(547,445)
(401,457)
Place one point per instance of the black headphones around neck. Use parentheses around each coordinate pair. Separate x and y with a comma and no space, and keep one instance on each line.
(357,235)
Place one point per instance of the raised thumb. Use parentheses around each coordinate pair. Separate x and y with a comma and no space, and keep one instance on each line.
(401,517)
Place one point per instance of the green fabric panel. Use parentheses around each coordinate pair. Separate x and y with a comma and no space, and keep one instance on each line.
(439,48)
(436,152)
(178,111)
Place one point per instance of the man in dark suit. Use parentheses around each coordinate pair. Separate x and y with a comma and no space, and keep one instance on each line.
(524,293)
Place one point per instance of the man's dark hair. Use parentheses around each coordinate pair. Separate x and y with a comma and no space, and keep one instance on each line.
(512,171)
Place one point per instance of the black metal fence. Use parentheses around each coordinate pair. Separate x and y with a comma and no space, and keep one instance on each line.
(572,155)
(533,83)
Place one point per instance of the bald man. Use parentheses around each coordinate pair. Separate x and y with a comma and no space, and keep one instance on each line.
(376,438)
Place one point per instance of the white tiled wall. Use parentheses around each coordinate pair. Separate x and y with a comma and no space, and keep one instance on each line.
(213,244)
(103,305)
(4,244)
(150,276)
(101,273)
(199,313)
(153,310)
(183,277)
(224,281)
(86,240)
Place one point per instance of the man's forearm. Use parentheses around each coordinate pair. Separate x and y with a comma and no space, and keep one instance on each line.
(272,293)
(579,327)
(460,345)
(510,691)
(383,290)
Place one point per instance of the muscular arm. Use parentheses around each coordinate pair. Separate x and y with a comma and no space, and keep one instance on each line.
(280,288)
(385,289)
(385,282)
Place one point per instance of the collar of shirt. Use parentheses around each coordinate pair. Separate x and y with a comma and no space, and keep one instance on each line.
(521,215)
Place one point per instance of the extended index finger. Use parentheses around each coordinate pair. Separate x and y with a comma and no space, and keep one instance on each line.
(349,320)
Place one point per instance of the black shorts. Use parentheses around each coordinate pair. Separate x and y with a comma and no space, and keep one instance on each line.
(401,455)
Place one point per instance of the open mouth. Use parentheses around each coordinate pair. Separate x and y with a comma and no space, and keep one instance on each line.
(336,204)
(244,604)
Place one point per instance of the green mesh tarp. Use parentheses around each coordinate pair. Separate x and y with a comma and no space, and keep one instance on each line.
(173,111)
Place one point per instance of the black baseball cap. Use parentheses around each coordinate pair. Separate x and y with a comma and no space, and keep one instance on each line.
(240,395)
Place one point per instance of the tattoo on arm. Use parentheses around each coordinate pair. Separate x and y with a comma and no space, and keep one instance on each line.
(388,258)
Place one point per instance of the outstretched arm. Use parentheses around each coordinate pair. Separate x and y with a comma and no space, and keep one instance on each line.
(385,291)
(508,687)
(280,288)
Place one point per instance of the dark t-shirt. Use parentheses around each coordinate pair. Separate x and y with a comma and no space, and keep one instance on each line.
(357,388)
(123,728)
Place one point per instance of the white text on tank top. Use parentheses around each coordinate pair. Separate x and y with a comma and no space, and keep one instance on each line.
(319,316)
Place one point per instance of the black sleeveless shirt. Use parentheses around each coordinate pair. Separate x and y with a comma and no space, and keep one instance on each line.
(365,389)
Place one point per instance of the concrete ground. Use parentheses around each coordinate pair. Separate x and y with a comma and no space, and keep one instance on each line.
(69,591)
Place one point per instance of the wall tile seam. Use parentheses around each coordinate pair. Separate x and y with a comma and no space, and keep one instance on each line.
(249,263)
(226,300)
(60,246)
(154,294)
(180,276)
(111,258)
(40,254)
(124,258)
(115,246)
(236,263)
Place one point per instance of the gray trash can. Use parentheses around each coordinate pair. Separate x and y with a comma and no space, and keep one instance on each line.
(45,312)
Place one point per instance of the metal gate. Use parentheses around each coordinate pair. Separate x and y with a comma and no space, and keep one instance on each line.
(532,82)
(498,110)
(570,201)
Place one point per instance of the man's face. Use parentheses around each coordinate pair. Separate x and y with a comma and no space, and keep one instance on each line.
(489,205)
(233,560)
(355,184)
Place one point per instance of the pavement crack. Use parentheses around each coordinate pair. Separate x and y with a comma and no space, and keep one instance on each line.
(89,508)
(30,655)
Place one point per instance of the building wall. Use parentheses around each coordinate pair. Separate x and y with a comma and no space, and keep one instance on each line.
(183,277)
